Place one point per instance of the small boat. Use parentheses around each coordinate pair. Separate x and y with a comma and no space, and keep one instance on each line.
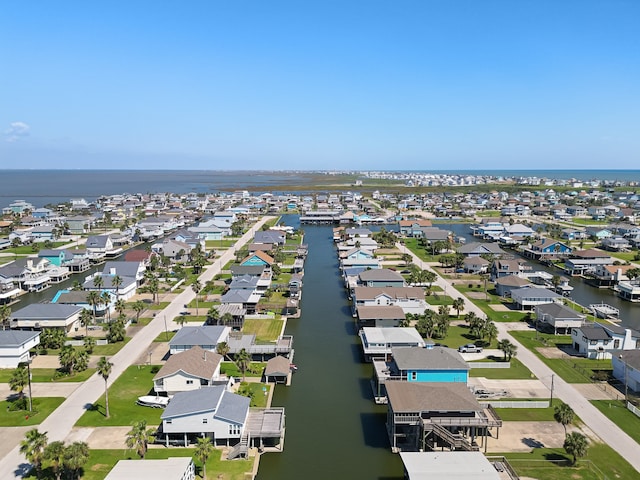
(293,367)
(154,401)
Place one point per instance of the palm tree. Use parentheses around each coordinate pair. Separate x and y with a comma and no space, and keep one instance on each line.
(223,349)
(490,331)
(139,437)
(75,457)
(138,307)
(180,320)
(508,348)
(154,288)
(204,448)
(104,369)
(98,282)
(105,298)
(93,299)
(576,444)
(458,304)
(116,281)
(196,286)
(19,380)
(426,324)
(32,447)
(564,414)
(213,315)
(89,344)
(243,361)
(54,454)
(120,306)
(68,358)
(5,314)
(226,319)
(85,320)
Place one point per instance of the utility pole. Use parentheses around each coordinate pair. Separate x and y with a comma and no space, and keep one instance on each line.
(551,401)
(29,360)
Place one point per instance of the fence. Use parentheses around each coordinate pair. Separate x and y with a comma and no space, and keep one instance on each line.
(633,408)
(80,343)
(515,404)
(489,364)
(524,466)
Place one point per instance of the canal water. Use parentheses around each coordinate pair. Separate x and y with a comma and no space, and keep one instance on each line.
(334,430)
(583,293)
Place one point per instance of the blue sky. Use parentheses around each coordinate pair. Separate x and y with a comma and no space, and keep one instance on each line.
(376,84)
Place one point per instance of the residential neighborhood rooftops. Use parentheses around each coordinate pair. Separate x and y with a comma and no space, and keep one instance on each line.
(15,338)
(46,310)
(438,358)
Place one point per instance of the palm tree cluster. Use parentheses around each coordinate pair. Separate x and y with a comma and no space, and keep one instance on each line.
(139,437)
(61,458)
(17,383)
(508,349)
(385,238)
(431,323)
(481,328)
(417,276)
(73,359)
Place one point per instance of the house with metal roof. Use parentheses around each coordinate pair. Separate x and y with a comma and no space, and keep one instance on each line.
(451,465)
(172,468)
(380,315)
(47,315)
(410,299)
(377,342)
(601,341)
(558,317)
(526,298)
(206,336)
(381,277)
(15,346)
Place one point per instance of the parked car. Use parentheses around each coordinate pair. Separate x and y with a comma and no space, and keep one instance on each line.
(470,348)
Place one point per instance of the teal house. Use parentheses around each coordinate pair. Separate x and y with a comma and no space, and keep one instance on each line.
(259,259)
(55,257)
(430,364)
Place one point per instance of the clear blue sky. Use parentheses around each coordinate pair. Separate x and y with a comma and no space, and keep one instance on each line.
(320,84)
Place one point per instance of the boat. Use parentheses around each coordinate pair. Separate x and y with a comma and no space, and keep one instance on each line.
(293,367)
(154,401)
(602,310)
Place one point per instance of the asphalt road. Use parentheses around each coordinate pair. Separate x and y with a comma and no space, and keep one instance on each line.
(59,424)
(608,431)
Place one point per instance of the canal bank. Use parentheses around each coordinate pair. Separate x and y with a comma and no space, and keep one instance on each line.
(334,429)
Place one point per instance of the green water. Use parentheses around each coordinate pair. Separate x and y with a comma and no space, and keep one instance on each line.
(334,430)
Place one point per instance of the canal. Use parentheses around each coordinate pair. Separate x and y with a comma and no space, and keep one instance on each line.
(583,293)
(333,427)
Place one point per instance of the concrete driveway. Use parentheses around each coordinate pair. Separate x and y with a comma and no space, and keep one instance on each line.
(51,389)
(523,436)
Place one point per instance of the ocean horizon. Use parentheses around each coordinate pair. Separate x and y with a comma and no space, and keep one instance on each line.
(52,186)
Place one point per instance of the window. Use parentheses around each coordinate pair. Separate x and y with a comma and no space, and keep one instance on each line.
(205,420)
(616,343)
(414,376)
(168,420)
(189,382)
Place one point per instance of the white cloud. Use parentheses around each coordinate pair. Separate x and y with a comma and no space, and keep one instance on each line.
(16,131)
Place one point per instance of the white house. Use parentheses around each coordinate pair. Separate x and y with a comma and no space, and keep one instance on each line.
(172,468)
(207,337)
(602,341)
(378,341)
(47,315)
(410,299)
(189,370)
(15,346)
(527,298)
(626,368)
(212,412)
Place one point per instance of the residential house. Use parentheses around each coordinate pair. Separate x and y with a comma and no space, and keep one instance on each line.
(172,468)
(626,369)
(258,258)
(610,275)
(410,299)
(212,412)
(277,370)
(558,317)
(377,342)
(414,364)
(598,233)
(502,268)
(475,249)
(47,315)
(586,261)
(207,337)
(615,244)
(526,298)
(55,257)
(432,416)
(189,370)
(210,230)
(100,246)
(601,341)
(30,274)
(504,285)
(380,316)
(550,248)
(129,269)
(78,225)
(15,346)
(381,277)
(412,227)
(477,265)
(274,238)
(452,465)
(175,249)
(629,290)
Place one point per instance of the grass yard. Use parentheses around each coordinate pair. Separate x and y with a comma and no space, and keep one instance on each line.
(158,306)
(219,244)
(459,335)
(111,348)
(264,330)
(551,464)
(164,336)
(42,407)
(417,250)
(530,414)
(616,411)
(41,375)
(230,370)
(625,256)
(258,392)
(123,394)
(102,461)
(517,371)
(438,299)
(572,370)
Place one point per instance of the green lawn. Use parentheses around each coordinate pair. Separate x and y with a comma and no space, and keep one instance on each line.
(41,375)
(133,383)
(110,349)
(230,370)
(539,463)
(459,335)
(102,461)
(265,330)
(42,407)
(158,306)
(438,299)
(625,256)
(164,337)
(259,393)
(617,412)
(517,371)
(573,370)
(529,414)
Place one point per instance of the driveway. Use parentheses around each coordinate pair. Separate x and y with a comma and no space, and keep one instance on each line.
(523,436)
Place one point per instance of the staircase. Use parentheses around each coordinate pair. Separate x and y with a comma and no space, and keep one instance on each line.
(242,448)
(455,440)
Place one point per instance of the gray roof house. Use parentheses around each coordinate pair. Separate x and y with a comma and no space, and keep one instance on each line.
(558,317)
(526,298)
(125,269)
(381,277)
(172,468)
(210,412)
(380,315)
(190,370)
(207,337)
(15,346)
(47,315)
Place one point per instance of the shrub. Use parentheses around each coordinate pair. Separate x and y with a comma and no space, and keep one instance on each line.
(155,369)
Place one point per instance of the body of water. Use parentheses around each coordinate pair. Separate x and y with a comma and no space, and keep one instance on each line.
(334,429)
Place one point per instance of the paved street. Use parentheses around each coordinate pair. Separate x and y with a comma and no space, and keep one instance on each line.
(60,423)
(604,428)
